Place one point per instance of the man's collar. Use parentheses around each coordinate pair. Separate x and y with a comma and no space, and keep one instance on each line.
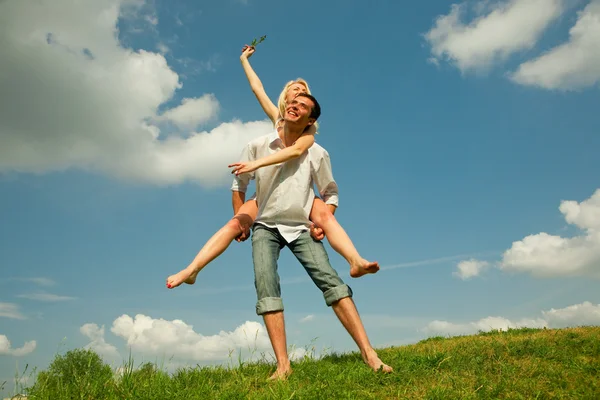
(275,140)
(273,136)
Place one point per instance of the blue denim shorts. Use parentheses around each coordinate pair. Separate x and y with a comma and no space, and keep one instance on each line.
(266,245)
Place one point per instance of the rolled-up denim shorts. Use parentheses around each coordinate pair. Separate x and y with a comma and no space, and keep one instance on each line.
(266,245)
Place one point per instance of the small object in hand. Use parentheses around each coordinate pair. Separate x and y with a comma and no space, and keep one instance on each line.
(255,42)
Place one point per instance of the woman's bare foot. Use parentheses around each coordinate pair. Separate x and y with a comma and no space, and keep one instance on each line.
(363,267)
(192,279)
(186,275)
(373,361)
(281,374)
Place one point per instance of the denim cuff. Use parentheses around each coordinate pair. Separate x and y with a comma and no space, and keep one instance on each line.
(269,304)
(337,293)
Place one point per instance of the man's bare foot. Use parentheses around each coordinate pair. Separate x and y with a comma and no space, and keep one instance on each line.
(373,361)
(363,267)
(184,276)
(281,374)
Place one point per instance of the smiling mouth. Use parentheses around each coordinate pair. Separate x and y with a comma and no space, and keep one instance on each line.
(292,113)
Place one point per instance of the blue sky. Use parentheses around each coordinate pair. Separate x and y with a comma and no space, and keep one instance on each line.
(463,139)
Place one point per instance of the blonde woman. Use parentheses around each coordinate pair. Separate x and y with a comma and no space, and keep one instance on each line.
(238,227)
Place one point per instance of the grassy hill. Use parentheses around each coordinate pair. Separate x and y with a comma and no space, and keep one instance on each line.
(518,364)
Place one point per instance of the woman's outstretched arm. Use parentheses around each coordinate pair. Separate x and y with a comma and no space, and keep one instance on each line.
(256,85)
(294,151)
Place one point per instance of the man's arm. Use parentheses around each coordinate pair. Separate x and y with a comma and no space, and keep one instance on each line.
(237,200)
(240,183)
(323,178)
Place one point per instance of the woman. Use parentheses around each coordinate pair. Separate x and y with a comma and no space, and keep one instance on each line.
(239,225)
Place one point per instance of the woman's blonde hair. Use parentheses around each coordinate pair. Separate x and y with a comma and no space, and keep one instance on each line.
(282,104)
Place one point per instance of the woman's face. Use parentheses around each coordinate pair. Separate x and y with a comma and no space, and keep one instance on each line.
(294,90)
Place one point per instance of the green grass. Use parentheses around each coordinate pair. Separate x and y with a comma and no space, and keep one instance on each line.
(518,364)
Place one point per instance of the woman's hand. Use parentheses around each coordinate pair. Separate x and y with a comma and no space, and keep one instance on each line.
(247,52)
(243,167)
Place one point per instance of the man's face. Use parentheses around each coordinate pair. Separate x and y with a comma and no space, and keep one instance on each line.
(298,111)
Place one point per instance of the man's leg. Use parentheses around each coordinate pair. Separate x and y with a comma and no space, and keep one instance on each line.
(346,311)
(275,324)
(266,245)
(314,259)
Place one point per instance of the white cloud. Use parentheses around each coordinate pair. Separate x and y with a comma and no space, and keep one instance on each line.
(176,338)
(6,347)
(572,65)
(420,263)
(192,112)
(470,268)
(582,314)
(95,104)
(485,325)
(41,281)
(98,343)
(308,318)
(163,48)
(190,66)
(576,315)
(550,255)
(298,353)
(151,19)
(45,297)
(10,310)
(498,30)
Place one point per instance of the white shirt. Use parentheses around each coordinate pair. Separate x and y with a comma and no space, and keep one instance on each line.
(284,192)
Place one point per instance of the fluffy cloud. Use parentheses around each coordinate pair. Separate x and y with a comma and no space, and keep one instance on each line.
(308,318)
(470,268)
(498,30)
(572,65)
(6,348)
(10,310)
(585,313)
(577,315)
(98,343)
(550,255)
(485,325)
(192,112)
(72,96)
(45,297)
(176,338)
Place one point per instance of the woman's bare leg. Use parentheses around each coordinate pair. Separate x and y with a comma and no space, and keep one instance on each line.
(340,241)
(217,244)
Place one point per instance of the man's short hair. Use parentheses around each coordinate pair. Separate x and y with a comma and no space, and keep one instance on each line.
(316,110)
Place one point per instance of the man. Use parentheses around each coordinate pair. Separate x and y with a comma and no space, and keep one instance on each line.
(285,196)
